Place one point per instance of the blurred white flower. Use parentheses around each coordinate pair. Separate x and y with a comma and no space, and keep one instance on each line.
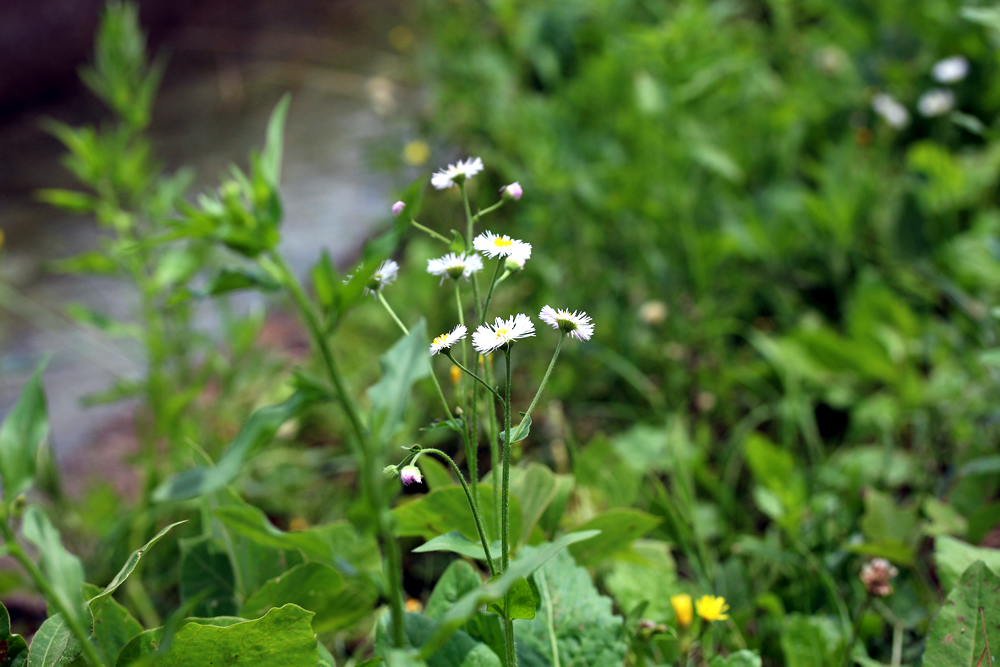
(576,324)
(446,340)
(936,102)
(950,70)
(488,338)
(892,112)
(384,275)
(455,265)
(463,170)
(492,245)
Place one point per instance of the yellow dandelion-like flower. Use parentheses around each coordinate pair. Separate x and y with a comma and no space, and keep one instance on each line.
(456,374)
(712,608)
(682,608)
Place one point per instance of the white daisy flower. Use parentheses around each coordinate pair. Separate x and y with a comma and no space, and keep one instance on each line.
(456,172)
(936,102)
(455,265)
(893,112)
(446,340)
(384,275)
(488,338)
(950,70)
(576,324)
(493,245)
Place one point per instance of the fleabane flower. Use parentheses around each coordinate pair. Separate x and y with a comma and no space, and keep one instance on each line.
(712,608)
(410,475)
(446,340)
(936,102)
(492,245)
(518,256)
(455,265)
(892,112)
(488,338)
(456,173)
(384,275)
(682,609)
(398,207)
(576,324)
(950,70)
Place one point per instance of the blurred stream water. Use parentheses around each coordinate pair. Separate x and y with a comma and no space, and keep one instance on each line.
(332,199)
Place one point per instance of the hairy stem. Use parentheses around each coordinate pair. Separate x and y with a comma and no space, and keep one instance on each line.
(545,378)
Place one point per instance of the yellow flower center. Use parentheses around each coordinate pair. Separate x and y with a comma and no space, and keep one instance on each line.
(441,339)
(503,333)
(502,242)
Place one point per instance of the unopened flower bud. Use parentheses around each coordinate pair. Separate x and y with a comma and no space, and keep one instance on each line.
(876,574)
(398,207)
(513,191)
(391,471)
(410,475)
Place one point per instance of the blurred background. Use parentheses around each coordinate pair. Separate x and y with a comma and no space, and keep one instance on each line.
(782,215)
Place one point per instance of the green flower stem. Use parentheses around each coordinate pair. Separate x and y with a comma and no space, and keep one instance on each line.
(469,224)
(493,283)
(543,587)
(489,209)
(470,432)
(428,231)
(472,504)
(371,473)
(545,378)
(83,637)
(855,629)
(505,519)
(392,313)
(473,375)
(494,440)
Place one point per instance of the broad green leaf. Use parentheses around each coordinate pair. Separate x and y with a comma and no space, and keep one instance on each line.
(587,633)
(61,568)
(647,575)
(447,509)
(738,659)
(458,579)
(282,638)
(336,603)
(535,487)
(257,431)
(54,644)
(455,542)
(114,626)
(460,650)
(436,474)
(13,648)
(469,604)
(337,544)
(207,574)
(618,528)
(21,434)
(520,598)
(600,469)
(131,563)
(812,641)
(142,649)
(953,557)
(402,365)
(956,637)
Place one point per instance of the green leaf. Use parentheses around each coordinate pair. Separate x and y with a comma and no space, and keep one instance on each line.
(618,528)
(458,579)
(54,644)
(460,650)
(777,472)
(402,365)
(455,542)
(535,487)
(67,200)
(987,465)
(232,279)
(469,604)
(207,575)
(956,637)
(103,323)
(142,649)
(257,431)
(457,245)
(648,575)
(93,262)
(944,520)
(132,562)
(270,158)
(739,659)
(953,557)
(62,569)
(282,638)
(890,529)
(13,648)
(114,626)
(326,282)
(321,589)
(23,431)
(446,509)
(553,514)
(522,602)
(587,634)
(518,433)
(812,641)
(436,474)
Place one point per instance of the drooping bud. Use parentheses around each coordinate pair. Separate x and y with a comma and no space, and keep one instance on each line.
(410,475)
(397,208)
(391,471)
(514,191)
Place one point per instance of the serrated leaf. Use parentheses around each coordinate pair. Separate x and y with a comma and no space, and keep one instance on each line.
(587,633)
(956,637)
(460,650)
(24,429)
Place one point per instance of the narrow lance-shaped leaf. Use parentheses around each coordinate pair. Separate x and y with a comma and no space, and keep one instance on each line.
(22,432)
(63,569)
(402,365)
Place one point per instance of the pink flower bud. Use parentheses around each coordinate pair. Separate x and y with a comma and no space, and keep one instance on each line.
(513,190)
(398,207)
(410,475)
